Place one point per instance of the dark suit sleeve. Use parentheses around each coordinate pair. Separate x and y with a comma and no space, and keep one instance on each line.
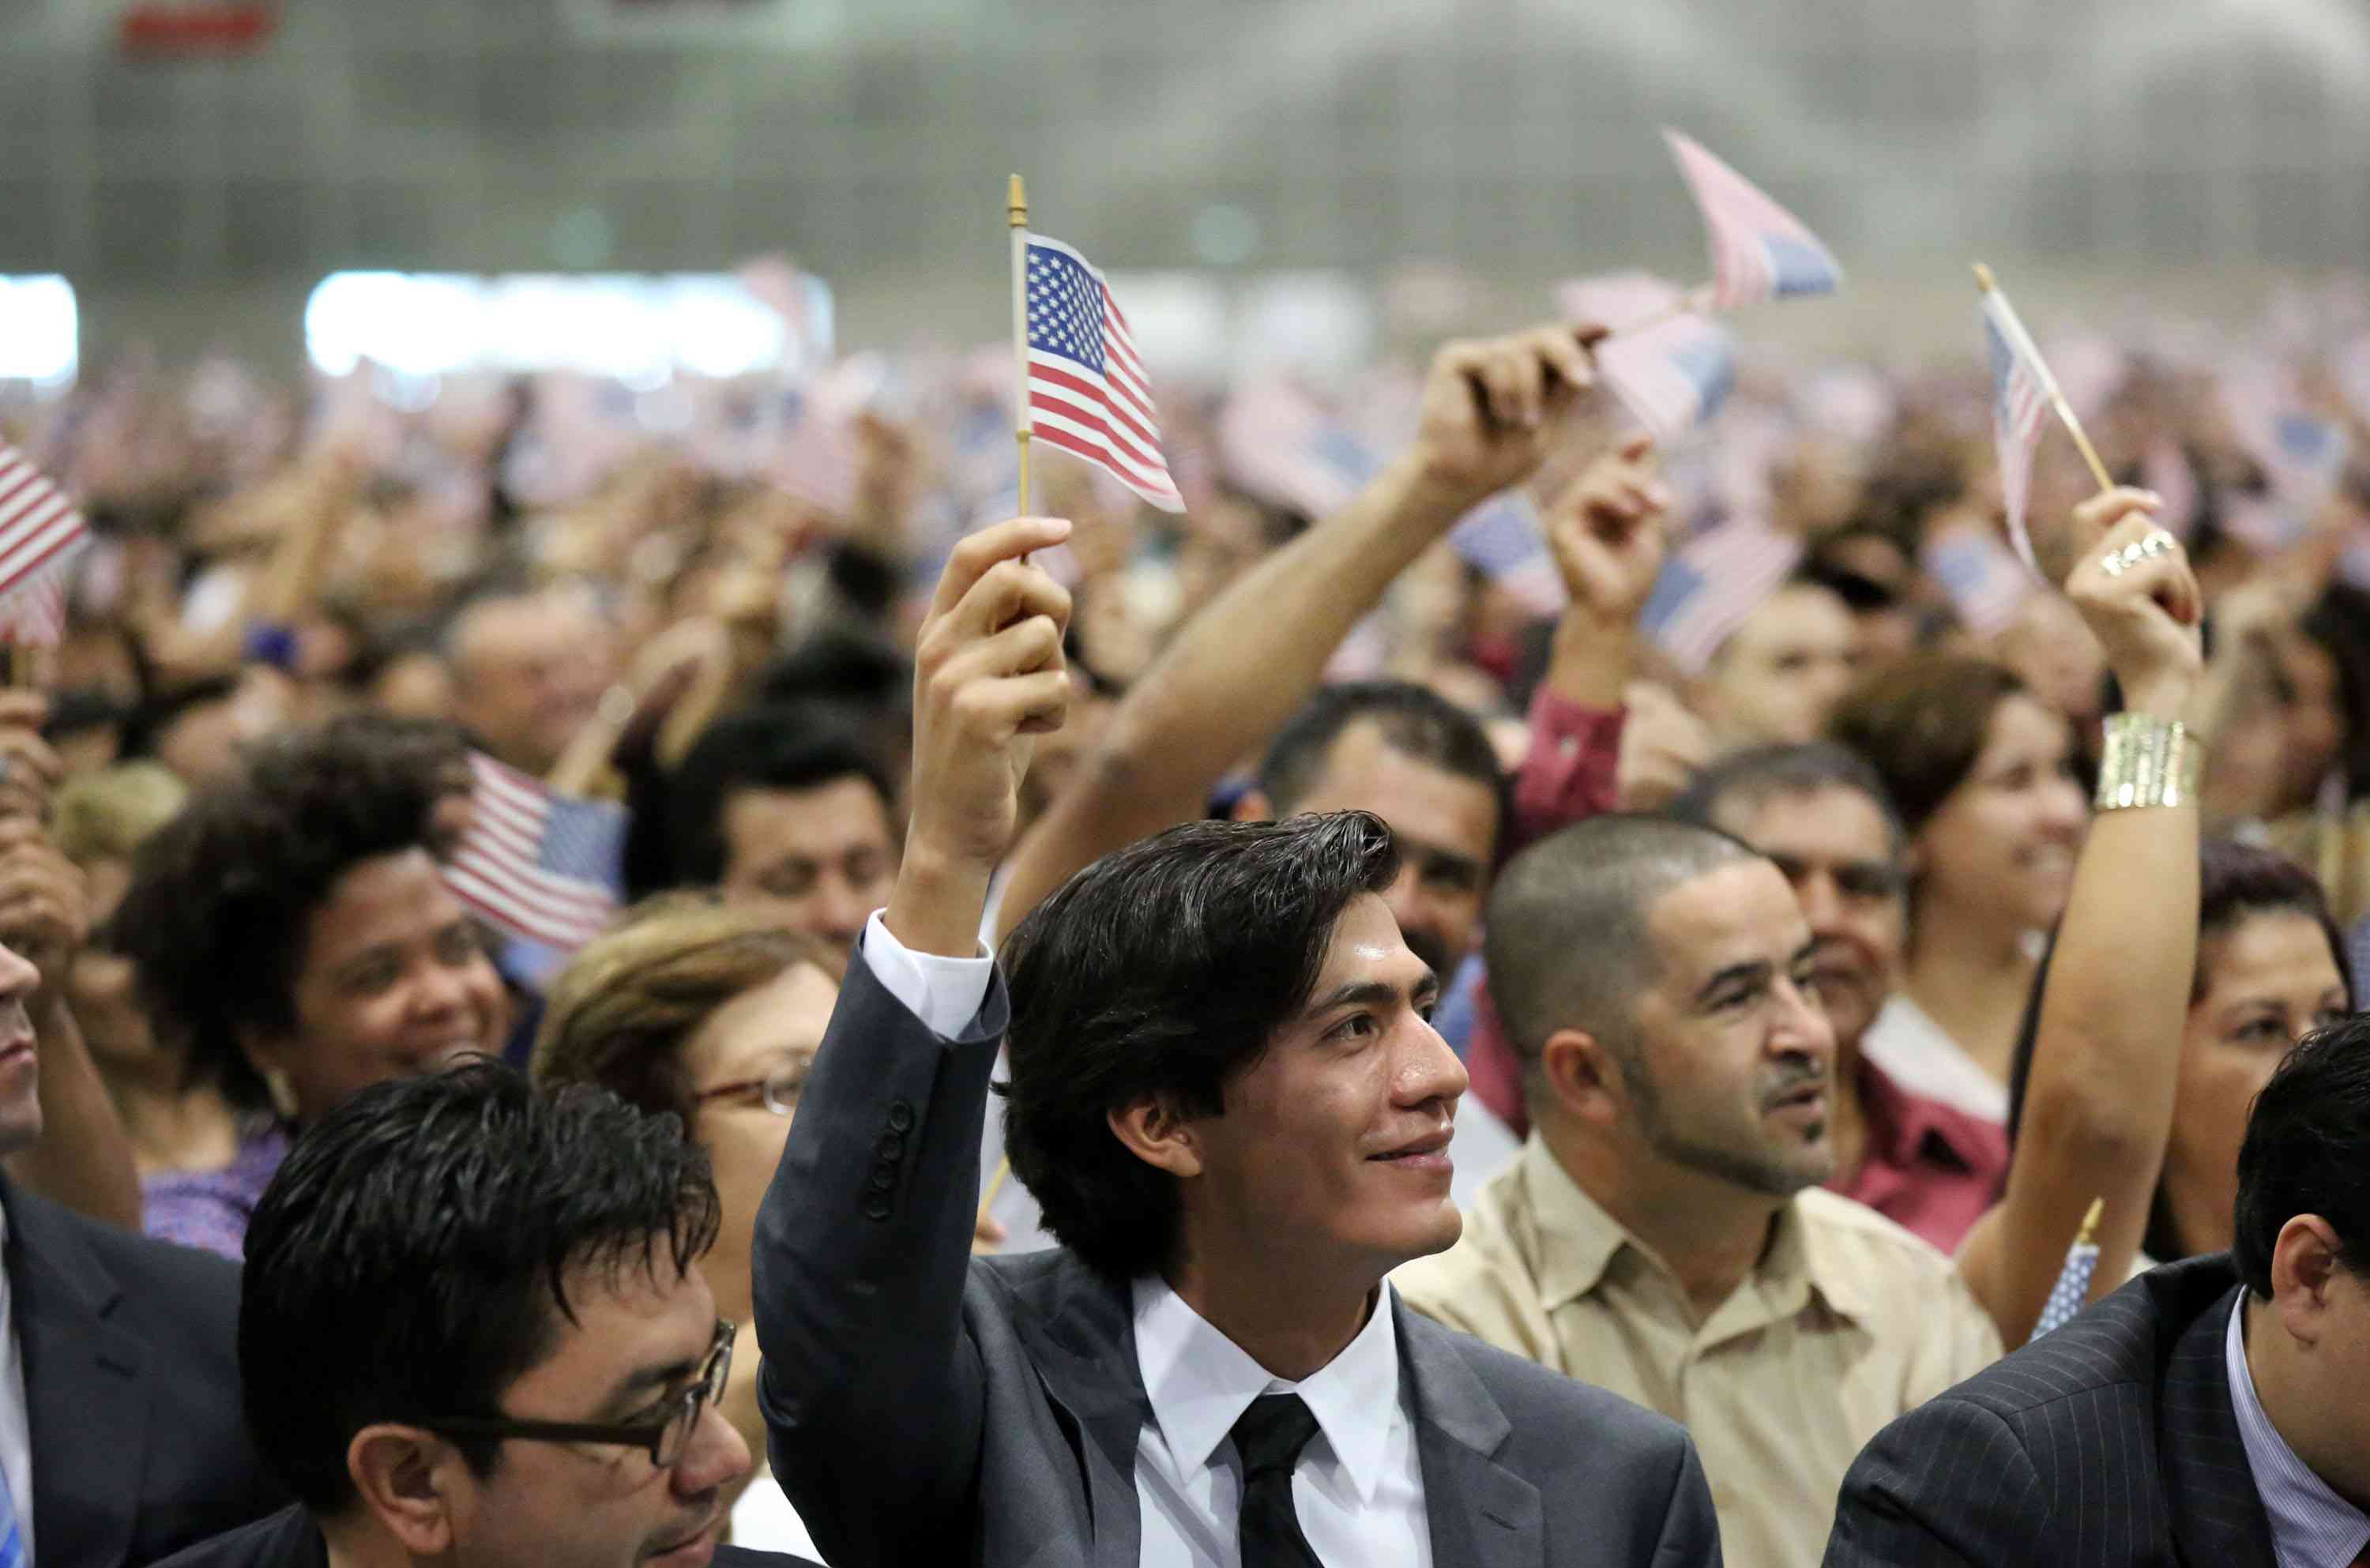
(872,1391)
(1690,1531)
(1948,1484)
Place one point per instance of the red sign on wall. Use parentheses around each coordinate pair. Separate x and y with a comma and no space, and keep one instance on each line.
(181,28)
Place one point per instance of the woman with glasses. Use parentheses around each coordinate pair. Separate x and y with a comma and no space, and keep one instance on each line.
(714,1012)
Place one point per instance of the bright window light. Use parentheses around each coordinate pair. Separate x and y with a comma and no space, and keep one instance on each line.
(640,330)
(40,332)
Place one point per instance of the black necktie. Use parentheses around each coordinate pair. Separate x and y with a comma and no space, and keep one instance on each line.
(1269,1437)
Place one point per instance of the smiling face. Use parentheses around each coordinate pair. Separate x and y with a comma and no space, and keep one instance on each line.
(1834,846)
(1446,826)
(1729,1062)
(2001,848)
(823,858)
(769,1030)
(637,1343)
(1335,1142)
(2269,980)
(394,982)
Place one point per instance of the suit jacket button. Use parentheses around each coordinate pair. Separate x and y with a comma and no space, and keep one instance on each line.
(900,1117)
(888,1147)
(884,1177)
(875,1208)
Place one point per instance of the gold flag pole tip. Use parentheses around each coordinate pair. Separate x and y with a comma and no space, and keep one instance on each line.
(1984,279)
(2090,1223)
(1016,203)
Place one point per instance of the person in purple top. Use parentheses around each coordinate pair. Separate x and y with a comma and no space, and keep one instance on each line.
(294,925)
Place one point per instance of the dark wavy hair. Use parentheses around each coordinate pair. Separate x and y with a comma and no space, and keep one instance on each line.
(1162,971)
(415,1254)
(2307,1151)
(2235,883)
(214,917)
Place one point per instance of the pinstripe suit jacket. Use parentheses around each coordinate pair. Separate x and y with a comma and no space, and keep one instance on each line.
(2111,1442)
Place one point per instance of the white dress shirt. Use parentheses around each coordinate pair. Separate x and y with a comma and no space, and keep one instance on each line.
(16,1424)
(1358,1489)
(2312,1527)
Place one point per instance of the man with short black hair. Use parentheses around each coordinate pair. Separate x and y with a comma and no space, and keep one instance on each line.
(1664,1234)
(1819,813)
(774,803)
(1423,764)
(2209,1412)
(1226,1090)
(473,1330)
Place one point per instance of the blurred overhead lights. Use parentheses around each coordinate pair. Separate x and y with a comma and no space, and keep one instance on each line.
(41,331)
(638,330)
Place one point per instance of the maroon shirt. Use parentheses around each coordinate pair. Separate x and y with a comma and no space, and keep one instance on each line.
(1929,1168)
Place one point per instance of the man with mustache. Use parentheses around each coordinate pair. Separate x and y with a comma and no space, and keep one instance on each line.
(473,1330)
(1820,814)
(1664,1234)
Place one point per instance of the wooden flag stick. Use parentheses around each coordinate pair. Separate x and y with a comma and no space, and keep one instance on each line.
(1016,213)
(1987,284)
(994,1185)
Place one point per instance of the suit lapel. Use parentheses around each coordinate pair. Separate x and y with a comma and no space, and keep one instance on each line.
(2217,1516)
(1084,1349)
(84,1388)
(1483,1514)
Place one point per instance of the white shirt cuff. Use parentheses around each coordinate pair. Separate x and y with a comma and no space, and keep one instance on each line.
(944,993)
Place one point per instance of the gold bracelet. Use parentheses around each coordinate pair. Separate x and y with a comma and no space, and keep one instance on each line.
(2147,762)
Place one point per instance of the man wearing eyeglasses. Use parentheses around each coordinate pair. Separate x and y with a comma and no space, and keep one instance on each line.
(473,1330)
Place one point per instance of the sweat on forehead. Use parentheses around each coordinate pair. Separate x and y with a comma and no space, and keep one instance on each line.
(1568,944)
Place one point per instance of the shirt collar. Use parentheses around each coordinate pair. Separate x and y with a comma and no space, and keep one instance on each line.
(1578,1241)
(1199,1382)
(1900,1124)
(2312,1527)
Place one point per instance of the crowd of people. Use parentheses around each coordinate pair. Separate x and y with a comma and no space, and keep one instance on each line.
(1492,992)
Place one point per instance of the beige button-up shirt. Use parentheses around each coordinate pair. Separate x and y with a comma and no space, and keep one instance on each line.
(1848,1321)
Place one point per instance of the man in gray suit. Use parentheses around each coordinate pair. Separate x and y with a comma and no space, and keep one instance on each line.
(2210,1411)
(1225,1094)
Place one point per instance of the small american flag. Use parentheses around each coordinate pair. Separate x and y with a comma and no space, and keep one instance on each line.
(1672,375)
(1087,393)
(1986,585)
(2072,1291)
(39,527)
(35,616)
(2022,393)
(1503,540)
(817,458)
(1281,447)
(1759,251)
(535,865)
(1709,585)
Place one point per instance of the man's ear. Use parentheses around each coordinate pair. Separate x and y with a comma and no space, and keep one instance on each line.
(1580,1075)
(407,1478)
(1152,1132)
(2306,1275)
(1253,805)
